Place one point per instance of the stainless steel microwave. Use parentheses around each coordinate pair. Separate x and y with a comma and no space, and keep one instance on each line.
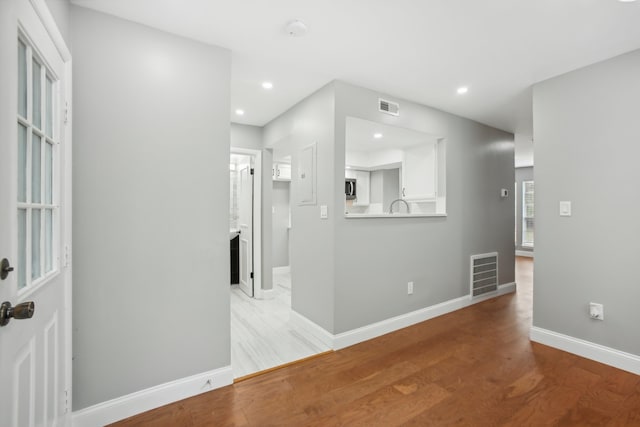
(350,188)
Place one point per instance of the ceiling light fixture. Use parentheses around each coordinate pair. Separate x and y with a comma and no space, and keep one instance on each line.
(626,1)
(267,85)
(240,112)
(377,135)
(296,28)
(462,90)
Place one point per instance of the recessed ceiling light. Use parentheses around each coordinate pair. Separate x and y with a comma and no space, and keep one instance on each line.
(626,1)
(267,85)
(240,112)
(462,90)
(377,135)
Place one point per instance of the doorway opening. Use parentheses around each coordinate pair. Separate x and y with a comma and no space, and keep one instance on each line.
(262,336)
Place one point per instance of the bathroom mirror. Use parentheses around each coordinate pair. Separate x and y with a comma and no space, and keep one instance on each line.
(392,171)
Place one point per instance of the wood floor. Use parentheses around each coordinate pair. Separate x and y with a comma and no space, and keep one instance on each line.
(474,367)
(262,336)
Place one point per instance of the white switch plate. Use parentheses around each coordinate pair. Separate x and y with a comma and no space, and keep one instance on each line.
(504,193)
(409,288)
(323,212)
(565,208)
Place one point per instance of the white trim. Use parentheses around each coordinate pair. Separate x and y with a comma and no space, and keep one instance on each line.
(609,356)
(282,270)
(524,253)
(358,335)
(153,397)
(300,322)
(49,24)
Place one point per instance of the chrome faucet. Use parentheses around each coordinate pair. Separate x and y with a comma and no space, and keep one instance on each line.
(399,200)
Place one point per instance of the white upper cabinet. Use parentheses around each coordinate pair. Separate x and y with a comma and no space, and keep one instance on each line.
(281,172)
(420,172)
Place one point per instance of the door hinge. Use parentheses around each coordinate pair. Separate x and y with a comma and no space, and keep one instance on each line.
(251,276)
(66,401)
(66,112)
(252,170)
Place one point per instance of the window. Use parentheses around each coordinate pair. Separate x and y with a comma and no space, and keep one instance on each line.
(37,165)
(527,213)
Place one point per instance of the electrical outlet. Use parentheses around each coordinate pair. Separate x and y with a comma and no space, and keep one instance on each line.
(596,311)
(409,288)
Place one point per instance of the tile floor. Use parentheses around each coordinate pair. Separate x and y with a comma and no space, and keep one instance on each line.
(261,335)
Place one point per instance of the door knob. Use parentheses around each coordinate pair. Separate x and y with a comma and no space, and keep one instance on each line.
(5,268)
(21,311)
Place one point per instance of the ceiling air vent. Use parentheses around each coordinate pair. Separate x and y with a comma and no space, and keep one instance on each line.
(388,107)
(484,274)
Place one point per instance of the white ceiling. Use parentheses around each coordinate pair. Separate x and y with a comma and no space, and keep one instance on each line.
(420,50)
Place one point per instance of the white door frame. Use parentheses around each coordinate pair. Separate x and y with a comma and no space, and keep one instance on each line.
(258,293)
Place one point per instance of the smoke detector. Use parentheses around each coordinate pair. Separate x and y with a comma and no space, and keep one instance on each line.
(296,28)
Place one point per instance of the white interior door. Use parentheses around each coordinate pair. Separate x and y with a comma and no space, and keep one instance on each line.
(245,214)
(34,362)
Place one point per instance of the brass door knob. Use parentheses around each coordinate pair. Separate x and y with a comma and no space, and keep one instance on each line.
(21,311)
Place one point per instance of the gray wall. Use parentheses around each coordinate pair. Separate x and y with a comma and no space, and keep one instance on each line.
(246,136)
(311,239)
(586,132)
(522,174)
(151,245)
(375,258)
(280,229)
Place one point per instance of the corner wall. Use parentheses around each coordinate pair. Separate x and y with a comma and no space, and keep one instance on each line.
(151,244)
(311,121)
(587,131)
(376,257)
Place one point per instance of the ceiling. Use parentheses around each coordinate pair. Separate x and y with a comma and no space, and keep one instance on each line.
(420,50)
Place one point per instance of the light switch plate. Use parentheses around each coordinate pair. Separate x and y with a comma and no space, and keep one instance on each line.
(323,212)
(565,208)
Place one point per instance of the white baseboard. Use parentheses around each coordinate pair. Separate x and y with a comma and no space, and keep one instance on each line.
(599,353)
(144,400)
(300,322)
(524,253)
(282,270)
(358,335)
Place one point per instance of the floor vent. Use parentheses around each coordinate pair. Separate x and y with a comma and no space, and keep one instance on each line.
(484,273)
(388,107)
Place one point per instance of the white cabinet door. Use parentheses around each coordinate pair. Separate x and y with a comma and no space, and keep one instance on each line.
(363,188)
(34,355)
(281,172)
(419,172)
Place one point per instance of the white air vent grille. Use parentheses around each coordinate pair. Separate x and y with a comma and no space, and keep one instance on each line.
(484,273)
(388,107)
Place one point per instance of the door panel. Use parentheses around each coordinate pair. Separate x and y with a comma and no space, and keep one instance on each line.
(33,206)
(245,199)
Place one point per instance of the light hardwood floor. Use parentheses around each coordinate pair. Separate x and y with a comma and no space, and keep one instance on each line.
(261,335)
(473,367)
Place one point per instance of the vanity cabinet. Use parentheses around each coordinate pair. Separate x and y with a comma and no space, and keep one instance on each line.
(281,172)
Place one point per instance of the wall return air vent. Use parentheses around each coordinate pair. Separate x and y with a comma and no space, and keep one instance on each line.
(484,274)
(388,107)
